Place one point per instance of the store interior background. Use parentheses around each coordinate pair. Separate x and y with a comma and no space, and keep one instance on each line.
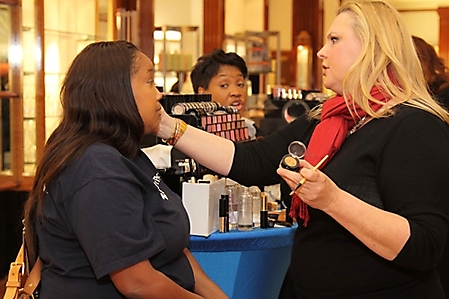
(247,15)
(63,18)
(69,26)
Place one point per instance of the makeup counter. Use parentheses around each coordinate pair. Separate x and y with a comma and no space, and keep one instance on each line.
(269,111)
(240,235)
(246,264)
(240,239)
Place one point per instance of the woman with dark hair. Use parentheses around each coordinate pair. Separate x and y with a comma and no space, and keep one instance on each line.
(223,75)
(437,77)
(435,71)
(99,216)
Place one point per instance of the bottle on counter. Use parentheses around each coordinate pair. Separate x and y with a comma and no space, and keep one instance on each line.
(233,193)
(223,213)
(255,193)
(263,210)
(245,211)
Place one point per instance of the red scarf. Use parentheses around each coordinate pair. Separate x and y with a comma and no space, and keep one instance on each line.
(328,136)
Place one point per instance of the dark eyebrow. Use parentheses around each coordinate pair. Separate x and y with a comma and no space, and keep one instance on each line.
(149,73)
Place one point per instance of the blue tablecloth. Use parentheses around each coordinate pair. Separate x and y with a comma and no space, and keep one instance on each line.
(246,265)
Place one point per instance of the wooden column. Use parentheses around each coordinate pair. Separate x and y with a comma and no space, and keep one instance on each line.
(39,17)
(444,34)
(266,10)
(146,27)
(14,95)
(213,22)
(16,103)
(127,4)
(308,16)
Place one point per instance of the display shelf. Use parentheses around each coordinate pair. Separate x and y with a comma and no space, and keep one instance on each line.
(176,50)
(41,39)
(254,48)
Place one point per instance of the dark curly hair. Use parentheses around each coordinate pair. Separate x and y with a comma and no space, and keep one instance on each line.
(207,66)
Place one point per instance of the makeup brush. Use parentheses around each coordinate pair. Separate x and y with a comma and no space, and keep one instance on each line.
(303,180)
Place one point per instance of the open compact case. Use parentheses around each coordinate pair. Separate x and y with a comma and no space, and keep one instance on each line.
(296,151)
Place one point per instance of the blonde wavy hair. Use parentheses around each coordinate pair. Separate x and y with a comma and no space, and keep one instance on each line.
(388,60)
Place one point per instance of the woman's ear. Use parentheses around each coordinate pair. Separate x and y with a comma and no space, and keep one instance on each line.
(201,90)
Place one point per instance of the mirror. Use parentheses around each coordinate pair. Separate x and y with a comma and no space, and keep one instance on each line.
(294,109)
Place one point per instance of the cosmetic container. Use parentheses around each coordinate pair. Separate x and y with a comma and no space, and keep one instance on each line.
(296,151)
(245,211)
(290,163)
(255,194)
(263,210)
(233,193)
(223,213)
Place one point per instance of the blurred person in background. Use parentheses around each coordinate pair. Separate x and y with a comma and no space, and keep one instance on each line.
(436,74)
(435,71)
(223,76)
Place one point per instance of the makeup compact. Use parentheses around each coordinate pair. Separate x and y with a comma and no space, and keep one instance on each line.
(296,151)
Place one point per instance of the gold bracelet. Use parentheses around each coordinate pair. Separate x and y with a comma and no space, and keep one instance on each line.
(182,128)
(172,135)
(178,131)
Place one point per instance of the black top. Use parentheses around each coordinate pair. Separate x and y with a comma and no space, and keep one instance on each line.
(443,265)
(398,164)
(443,97)
(106,213)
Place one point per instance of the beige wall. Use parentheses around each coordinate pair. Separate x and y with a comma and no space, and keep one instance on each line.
(180,13)
(280,19)
(247,15)
(425,24)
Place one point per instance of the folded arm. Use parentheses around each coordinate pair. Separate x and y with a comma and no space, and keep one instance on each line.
(143,281)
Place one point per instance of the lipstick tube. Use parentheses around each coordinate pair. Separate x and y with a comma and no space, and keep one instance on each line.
(263,210)
(223,213)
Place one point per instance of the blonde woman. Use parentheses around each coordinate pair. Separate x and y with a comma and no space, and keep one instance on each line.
(372,220)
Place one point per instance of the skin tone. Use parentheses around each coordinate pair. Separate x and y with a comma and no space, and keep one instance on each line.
(142,280)
(134,282)
(383,232)
(227,87)
(146,94)
(341,50)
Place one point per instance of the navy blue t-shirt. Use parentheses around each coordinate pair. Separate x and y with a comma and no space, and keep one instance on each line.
(105,213)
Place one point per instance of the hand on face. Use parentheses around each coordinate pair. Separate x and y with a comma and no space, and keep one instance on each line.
(166,125)
(318,191)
